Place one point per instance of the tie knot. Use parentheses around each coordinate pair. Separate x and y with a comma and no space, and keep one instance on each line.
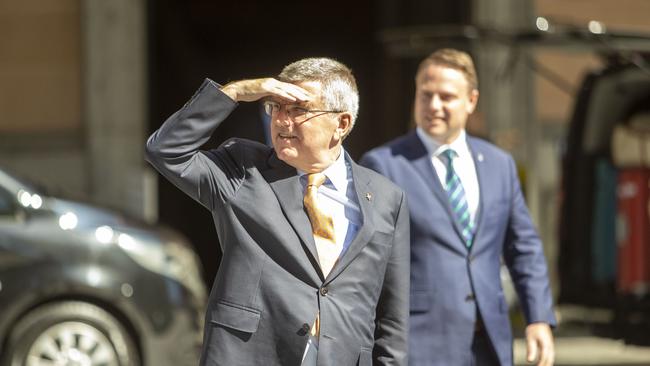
(316,179)
(449,154)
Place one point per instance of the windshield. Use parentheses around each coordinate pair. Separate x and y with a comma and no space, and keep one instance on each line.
(29,184)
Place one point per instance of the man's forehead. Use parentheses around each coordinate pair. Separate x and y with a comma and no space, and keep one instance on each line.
(443,86)
(440,73)
(433,83)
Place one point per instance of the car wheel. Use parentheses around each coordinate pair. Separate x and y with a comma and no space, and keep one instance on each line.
(70,333)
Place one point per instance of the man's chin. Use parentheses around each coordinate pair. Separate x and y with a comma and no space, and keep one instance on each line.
(435,131)
(286,154)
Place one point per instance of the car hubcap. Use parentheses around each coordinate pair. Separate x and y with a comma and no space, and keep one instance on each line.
(72,344)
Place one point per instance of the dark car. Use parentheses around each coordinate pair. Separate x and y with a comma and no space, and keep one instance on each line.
(80,285)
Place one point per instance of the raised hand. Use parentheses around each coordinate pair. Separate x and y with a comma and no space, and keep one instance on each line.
(254,89)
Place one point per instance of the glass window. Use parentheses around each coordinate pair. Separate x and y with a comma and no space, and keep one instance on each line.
(7,203)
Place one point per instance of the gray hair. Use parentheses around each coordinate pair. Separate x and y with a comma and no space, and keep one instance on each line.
(339,86)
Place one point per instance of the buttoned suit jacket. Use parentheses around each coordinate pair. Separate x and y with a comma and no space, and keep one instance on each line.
(269,286)
(448,281)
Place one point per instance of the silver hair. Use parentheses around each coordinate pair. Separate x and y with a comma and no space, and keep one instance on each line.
(339,86)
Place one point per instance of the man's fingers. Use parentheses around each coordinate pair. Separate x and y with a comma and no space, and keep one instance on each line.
(255,89)
(546,356)
(290,92)
(539,344)
(531,349)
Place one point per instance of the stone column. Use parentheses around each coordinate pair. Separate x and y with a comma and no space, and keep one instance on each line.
(507,103)
(507,90)
(115,105)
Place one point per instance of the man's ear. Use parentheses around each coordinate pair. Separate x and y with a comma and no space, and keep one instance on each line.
(345,124)
(473,101)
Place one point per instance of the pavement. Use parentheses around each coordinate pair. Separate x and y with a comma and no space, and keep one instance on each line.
(585,337)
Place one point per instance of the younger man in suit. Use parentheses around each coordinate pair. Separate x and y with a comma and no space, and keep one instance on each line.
(315,266)
(467,212)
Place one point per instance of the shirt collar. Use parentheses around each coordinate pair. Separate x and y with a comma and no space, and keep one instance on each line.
(435,148)
(337,173)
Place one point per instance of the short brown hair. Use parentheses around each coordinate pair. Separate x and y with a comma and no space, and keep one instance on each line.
(455,59)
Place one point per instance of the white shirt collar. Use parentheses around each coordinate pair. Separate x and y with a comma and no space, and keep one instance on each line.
(337,173)
(435,148)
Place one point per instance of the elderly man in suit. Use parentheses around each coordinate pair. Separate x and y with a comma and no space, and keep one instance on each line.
(315,266)
(467,213)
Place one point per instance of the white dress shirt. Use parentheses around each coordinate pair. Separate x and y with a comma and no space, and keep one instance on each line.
(337,198)
(463,166)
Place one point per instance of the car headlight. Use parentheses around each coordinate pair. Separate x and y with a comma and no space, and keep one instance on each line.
(28,199)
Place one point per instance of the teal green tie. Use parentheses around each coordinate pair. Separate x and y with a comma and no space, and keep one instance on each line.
(457,199)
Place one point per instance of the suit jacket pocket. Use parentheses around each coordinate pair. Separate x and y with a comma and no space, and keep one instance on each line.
(235,316)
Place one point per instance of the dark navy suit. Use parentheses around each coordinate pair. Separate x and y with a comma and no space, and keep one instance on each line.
(449,283)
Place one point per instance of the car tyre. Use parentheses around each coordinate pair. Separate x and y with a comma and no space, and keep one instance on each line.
(70,332)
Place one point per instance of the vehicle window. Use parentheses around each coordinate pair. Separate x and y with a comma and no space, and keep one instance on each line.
(27,183)
(7,203)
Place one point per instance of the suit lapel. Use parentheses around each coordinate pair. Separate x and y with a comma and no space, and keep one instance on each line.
(286,185)
(481,173)
(362,187)
(422,162)
(420,158)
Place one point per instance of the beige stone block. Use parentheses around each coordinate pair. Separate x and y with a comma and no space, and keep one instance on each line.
(38,102)
(39,41)
(49,7)
(627,14)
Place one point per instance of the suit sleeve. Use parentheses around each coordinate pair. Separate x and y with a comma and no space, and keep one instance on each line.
(209,177)
(524,256)
(391,332)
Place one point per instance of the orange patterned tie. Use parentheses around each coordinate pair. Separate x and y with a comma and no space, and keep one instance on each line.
(321,224)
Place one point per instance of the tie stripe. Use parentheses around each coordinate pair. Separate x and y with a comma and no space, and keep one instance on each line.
(457,199)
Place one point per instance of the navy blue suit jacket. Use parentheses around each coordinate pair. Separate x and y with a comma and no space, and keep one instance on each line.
(448,281)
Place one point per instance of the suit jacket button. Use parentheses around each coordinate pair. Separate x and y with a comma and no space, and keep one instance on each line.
(306,327)
(324,291)
(469,297)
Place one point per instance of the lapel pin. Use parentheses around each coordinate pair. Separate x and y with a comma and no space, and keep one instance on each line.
(368,196)
(480,157)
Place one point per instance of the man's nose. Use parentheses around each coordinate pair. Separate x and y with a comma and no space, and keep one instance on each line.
(282,117)
(436,102)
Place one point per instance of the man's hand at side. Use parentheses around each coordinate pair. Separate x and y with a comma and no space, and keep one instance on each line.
(539,344)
